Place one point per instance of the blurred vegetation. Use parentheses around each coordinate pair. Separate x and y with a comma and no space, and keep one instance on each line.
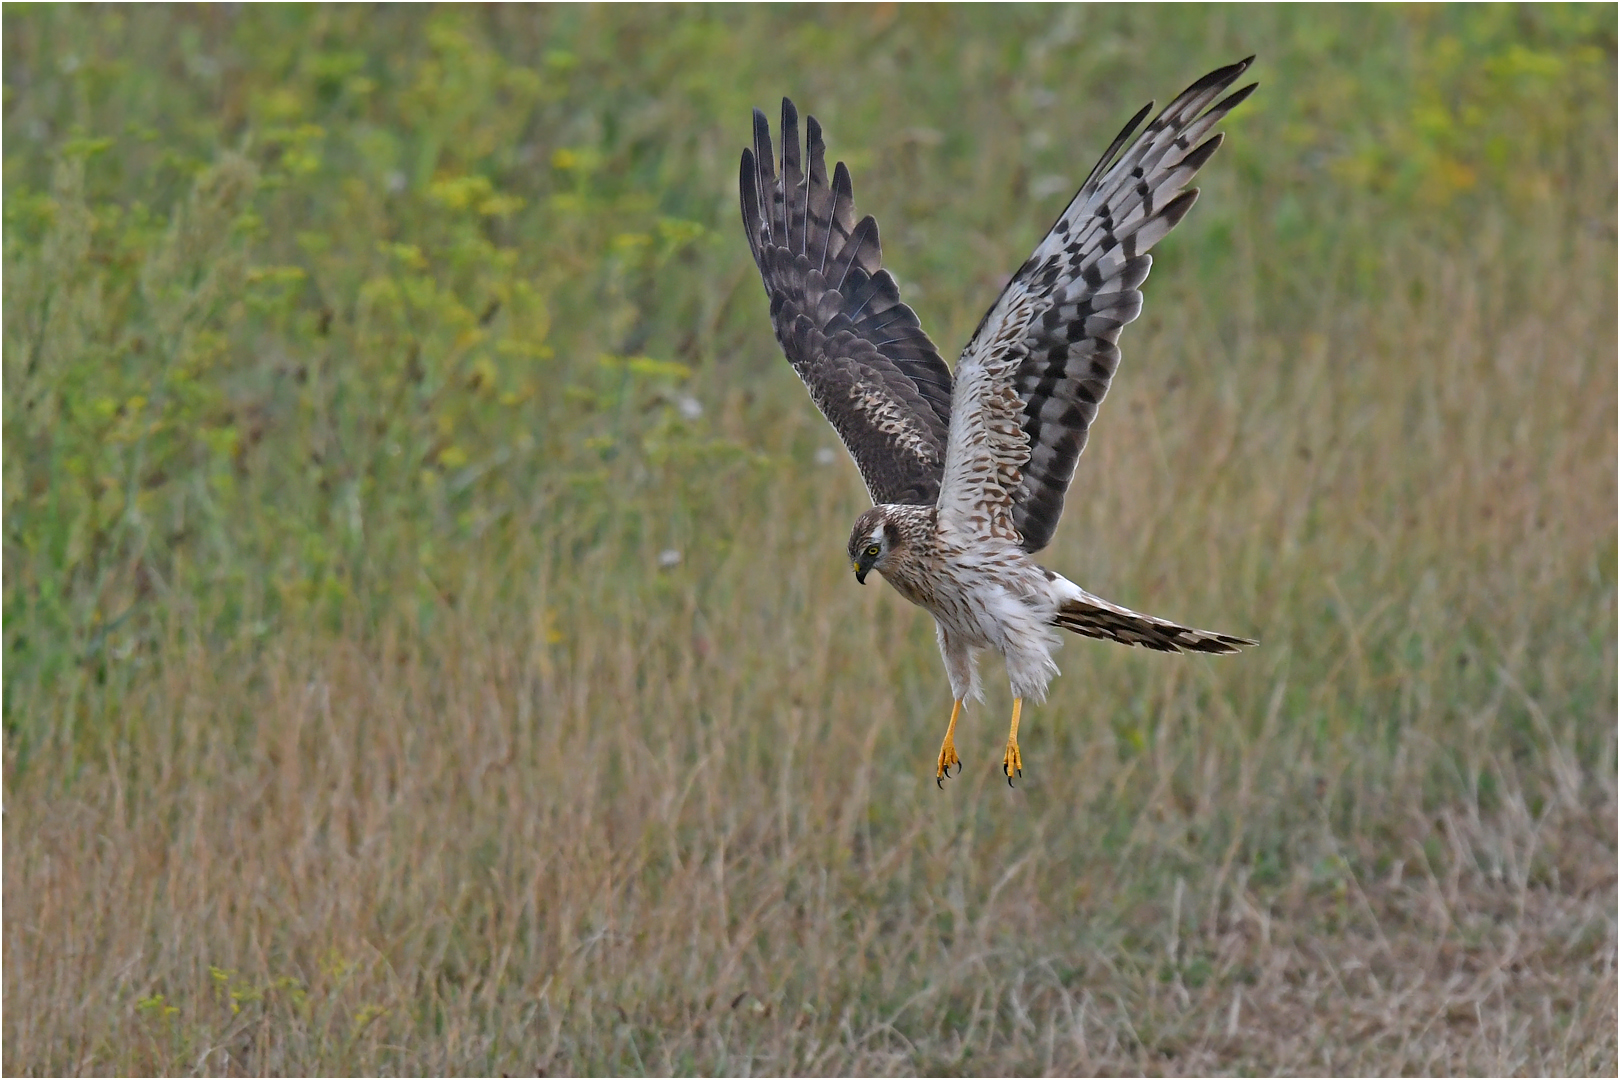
(369,325)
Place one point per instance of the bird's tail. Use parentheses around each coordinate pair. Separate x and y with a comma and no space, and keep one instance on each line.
(1092,616)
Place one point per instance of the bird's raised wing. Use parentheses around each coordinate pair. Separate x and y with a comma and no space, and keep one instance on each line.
(868,365)
(1029,382)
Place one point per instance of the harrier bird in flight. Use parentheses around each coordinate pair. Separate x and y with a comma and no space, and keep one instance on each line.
(968,474)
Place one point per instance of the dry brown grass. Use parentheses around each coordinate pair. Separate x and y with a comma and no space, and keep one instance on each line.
(687,826)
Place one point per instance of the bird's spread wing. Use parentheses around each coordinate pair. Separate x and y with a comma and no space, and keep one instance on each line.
(869,367)
(1030,381)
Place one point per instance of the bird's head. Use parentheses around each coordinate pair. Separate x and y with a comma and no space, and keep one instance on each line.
(873,540)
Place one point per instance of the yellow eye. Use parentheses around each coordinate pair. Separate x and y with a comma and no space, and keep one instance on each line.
(873,550)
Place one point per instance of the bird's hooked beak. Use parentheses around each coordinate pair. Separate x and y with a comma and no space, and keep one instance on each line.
(863,566)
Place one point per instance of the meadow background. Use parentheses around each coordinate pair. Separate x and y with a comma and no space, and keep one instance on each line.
(361,366)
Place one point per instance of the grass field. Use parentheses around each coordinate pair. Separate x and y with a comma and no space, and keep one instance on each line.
(363,366)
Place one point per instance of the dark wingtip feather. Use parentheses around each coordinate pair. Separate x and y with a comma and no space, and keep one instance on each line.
(793,193)
(1135,121)
(1215,81)
(818,151)
(1225,74)
(1236,98)
(748,191)
(764,159)
(1219,644)
(1199,154)
(789,132)
(1176,209)
(842,186)
(866,231)
(1120,140)
(838,212)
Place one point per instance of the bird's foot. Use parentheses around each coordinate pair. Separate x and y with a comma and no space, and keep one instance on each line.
(1012,763)
(947,758)
(947,749)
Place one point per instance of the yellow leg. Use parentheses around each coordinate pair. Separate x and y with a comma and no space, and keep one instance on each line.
(1013,762)
(947,749)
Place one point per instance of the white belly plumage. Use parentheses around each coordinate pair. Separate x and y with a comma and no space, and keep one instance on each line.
(988,594)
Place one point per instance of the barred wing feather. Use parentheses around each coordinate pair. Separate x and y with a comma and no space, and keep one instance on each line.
(860,351)
(1031,379)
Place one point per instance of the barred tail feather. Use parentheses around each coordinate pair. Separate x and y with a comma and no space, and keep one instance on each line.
(1092,616)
